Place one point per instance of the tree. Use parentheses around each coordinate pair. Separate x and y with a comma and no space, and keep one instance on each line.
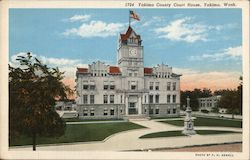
(232,100)
(194,95)
(33,89)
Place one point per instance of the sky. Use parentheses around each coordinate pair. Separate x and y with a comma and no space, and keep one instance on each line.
(204,45)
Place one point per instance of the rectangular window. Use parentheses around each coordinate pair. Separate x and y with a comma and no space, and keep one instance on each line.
(135,74)
(92,112)
(105,112)
(133,87)
(168,98)
(168,86)
(151,98)
(130,74)
(145,99)
(85,87)
(157,85)
(174,98)
(156,98)
(112,112)
(168,111)
(112,87)
(174,111)
(92,99)
(85,112)
(174,86)
(92,87)
(151,85)
(85,99)
(105,87)
(157,111)
(105,99)
(111,99)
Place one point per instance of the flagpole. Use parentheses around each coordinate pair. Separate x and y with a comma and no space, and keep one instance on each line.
(129,18)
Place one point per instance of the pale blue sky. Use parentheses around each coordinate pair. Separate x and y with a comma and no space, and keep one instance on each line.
(204,40)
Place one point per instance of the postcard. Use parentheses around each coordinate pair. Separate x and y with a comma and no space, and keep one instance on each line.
(119,79)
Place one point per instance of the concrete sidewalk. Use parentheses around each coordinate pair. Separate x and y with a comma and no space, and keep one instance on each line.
(129,140)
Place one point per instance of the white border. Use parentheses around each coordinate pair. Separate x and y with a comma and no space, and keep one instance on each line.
(6,154)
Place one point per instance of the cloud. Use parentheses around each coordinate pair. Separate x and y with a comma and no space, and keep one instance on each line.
(153,20)
(213,80)
(185,29)
(95,29)
(231,52)
(78,18)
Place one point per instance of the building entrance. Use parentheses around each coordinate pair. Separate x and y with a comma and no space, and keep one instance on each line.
(132,108)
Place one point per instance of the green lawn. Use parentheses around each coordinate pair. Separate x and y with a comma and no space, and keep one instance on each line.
(179,133)
(88,120)
(163,134)
(80,133)
(201,121)
(165,117)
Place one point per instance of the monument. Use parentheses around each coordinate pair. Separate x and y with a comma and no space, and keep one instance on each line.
(188,121)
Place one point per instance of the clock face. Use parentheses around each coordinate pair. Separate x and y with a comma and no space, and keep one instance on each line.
(132,52)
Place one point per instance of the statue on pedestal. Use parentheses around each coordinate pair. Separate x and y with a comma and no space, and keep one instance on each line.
(188,121)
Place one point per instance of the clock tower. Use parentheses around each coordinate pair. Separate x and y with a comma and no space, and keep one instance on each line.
(130,54)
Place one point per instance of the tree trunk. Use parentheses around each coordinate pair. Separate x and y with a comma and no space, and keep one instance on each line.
(34,141)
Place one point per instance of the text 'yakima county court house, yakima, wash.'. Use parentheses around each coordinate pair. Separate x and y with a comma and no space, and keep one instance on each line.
(129,89)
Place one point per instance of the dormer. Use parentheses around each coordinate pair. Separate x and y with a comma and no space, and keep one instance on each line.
(130,38)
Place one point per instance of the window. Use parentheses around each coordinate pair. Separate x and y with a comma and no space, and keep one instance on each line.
(174,111)
(151,85)
(105,112)
(111,99)
(92,112)
(92,87)
(157,85)
(92,99)
(105,87)
(135,74)
(105,99)
(174,98)
(85,87)
(145,99)
(168,111)
(156,98)
(157,111)
(112,112)
(112,87)
(85,99)
(130,74)
(151,98)
(174,86)
(168,86)
(168,98)
(133,87)
(85,112)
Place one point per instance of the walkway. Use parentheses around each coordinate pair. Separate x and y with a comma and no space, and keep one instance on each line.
(129,140)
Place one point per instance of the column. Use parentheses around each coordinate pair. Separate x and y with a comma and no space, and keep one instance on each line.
(126,104)
(140,105)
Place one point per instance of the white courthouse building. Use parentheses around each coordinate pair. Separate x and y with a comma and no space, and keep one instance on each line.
(209,103)
(128,89)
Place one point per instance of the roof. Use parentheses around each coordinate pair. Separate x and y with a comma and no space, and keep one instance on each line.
(114,70)
(82,70)
(148,70)
(125,36)
(176,75)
